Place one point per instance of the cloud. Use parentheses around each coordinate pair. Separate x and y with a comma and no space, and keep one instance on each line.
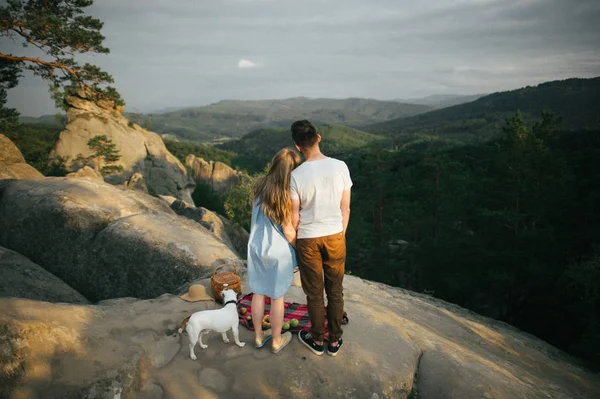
(246,64)
(187,52)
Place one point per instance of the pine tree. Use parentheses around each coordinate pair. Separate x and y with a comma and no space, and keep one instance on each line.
(105,151)
(60,30)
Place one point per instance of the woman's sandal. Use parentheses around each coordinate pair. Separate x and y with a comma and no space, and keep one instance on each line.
(266,337)
(286,338)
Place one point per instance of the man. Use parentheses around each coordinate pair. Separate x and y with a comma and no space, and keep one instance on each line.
(320,193)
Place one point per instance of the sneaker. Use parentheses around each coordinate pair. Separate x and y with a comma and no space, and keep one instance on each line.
(286,338)
(307,339)
(333,350)
(265,338)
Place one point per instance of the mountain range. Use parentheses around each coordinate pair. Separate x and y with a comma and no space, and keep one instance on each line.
(576,101)
(441,100)
(233,119)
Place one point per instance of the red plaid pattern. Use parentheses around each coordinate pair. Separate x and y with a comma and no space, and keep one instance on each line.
(291,311)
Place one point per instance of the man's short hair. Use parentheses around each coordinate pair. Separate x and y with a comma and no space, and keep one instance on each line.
(304,134)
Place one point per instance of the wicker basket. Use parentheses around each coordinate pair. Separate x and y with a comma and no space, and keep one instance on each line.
(232,280)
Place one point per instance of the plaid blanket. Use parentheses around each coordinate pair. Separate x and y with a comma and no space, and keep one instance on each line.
(292,310)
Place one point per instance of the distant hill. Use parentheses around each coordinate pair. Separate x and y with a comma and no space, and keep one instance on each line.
(231,118)
(48,120)
(576,101)
(258,147)
(442,100)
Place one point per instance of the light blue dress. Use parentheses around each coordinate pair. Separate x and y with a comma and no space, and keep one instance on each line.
(271,258)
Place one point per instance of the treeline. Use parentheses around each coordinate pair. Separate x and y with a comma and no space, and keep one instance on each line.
(35,143)
(509,228)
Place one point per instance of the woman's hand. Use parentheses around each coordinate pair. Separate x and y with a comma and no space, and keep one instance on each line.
(290,233)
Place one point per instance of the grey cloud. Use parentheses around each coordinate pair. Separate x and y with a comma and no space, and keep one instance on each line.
(186,52)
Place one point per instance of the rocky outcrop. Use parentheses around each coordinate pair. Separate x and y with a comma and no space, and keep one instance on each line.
(234,237)
(220,176)
(397,345)
(138,183)
(86,173)
(22,278)
(141,150)
(103,241)
(12,163)
(237,234)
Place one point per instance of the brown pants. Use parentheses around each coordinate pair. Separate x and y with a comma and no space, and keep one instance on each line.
(317,257)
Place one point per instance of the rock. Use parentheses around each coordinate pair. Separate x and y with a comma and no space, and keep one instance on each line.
(220,176)
(22,278)
(213,379)
(58,351)
(169,200)
(19,171)
(12,163)
(105,242)
(137,182)
(218,225)
(9,153)
(86,173)
(141,150)
(238,235)
(160,253)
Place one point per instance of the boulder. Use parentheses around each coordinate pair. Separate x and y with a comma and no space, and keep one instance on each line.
(12,163)
(138,183)
(9,153)
(397,345)
(220,176)
(86,173)
(237,234)
(141,150)
(103,241)
(168,199)
(224,229)
(22,278)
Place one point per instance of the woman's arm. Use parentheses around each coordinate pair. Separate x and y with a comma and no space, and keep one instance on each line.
(290,233)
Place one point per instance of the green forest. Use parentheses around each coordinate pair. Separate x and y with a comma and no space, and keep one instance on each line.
(509,228)
(484,206)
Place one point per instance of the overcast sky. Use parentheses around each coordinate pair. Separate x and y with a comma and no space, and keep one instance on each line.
(195,52)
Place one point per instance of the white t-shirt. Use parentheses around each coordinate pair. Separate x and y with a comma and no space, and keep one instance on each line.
(319,186)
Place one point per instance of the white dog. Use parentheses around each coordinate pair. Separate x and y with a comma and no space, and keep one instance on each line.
(219,320)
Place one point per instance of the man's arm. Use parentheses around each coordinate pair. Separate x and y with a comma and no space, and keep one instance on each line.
(345,207)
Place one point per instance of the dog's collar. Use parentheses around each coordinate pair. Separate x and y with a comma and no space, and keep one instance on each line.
(228,302)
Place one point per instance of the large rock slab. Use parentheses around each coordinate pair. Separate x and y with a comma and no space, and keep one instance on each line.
(86,173)
(235,237)
(12,163)
(21,278)
(59,351)
(103,241)
(141,150)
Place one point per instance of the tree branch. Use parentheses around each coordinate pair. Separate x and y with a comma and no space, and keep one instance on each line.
(57,64)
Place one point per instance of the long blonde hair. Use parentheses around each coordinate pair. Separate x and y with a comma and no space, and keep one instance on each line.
(273,190)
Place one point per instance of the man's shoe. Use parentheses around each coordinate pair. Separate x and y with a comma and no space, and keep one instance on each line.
(307,339)
(333,350)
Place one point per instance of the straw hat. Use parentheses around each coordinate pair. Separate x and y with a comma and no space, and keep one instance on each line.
(196,293)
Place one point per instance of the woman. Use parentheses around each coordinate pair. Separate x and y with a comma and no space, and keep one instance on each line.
(271,254)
